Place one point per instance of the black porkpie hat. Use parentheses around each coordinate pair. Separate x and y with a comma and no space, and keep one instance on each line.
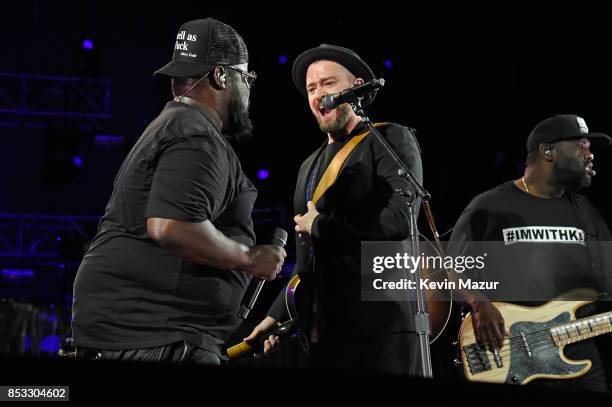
(343,56)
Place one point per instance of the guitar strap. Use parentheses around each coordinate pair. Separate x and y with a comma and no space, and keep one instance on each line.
(333,169)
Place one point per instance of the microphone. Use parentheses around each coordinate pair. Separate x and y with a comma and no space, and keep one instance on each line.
(279,239)
(351,95)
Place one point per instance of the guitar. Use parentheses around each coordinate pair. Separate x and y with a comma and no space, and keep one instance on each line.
(291,327)
(439,311)
(534,349)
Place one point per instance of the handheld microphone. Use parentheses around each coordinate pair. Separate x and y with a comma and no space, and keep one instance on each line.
(279,239)
(351,95)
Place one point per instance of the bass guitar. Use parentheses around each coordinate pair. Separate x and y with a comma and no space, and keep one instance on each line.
(534,348)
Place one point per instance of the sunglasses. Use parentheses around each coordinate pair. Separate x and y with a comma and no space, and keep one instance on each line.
(248,77)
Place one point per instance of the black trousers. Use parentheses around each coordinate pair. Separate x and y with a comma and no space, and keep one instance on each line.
(177,352)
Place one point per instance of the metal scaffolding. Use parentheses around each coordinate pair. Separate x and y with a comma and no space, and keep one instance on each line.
(37,239)
(28,100)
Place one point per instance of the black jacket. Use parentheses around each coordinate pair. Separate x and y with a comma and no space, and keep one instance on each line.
(360,206)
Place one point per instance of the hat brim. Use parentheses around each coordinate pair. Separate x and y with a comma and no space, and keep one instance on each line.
(598,140)
(181,69)
(355,65)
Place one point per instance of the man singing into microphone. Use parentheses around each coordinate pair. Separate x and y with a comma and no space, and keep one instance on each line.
(334,215)
(163,278)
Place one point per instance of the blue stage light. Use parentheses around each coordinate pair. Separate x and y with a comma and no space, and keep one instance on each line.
(88,44)
(263,173)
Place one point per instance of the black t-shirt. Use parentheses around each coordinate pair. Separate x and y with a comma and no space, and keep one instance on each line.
(131,293)
(535,246)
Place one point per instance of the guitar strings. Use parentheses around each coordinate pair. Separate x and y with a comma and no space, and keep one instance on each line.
(505,353)
(476,361)
(518,338)
(534,340)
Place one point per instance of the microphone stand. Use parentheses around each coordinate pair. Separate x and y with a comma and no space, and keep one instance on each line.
(422,321)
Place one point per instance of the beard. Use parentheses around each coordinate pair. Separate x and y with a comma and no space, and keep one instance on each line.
(343,113)
(570,175)
(239,127)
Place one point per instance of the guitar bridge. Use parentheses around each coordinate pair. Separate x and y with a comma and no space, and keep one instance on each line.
(477,358)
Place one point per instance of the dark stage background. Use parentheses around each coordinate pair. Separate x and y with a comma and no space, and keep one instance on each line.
(76,91)
(473,81)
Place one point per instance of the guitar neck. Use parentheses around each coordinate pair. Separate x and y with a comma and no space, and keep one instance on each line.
(582,329)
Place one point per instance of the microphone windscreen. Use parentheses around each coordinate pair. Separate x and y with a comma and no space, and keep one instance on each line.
(279,238)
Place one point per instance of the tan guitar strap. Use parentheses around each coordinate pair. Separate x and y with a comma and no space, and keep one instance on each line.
(333,169)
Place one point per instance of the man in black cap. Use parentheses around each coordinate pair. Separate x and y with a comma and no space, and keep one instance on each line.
(174,253)
(335,214)
(552,240)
